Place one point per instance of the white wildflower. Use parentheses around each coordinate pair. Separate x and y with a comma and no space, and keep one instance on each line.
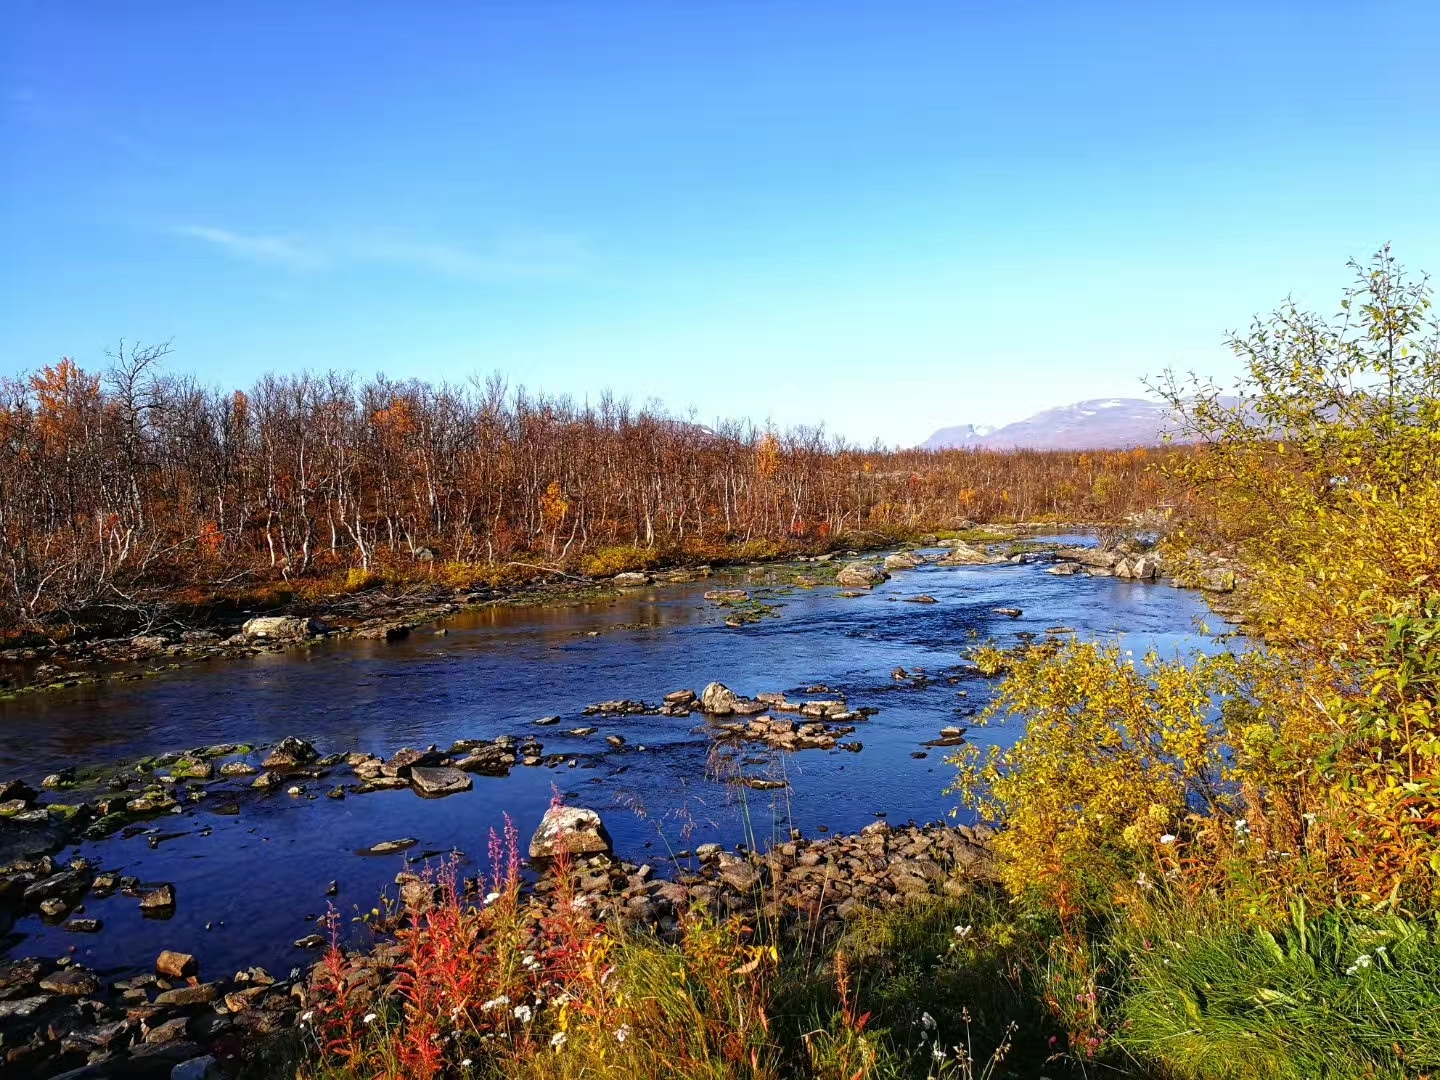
(306,1018)
(557,1040)
(490,898)
(622,1033)
(938,1052)
(1168,838)
(466,1063)
(495,1003)
(368,1018)
(1361,963)
(523,1013)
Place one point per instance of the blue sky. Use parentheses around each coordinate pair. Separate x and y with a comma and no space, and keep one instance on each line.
(885,216)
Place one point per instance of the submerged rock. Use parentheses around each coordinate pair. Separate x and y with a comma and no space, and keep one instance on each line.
(389,847)
(727,596)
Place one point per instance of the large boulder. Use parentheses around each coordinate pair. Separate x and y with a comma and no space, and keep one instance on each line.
(630,579)
(1095,558)
(1218,580)
(903,560)
(717,699)
(291,753)
(488,760)
(282,628)
(860,575)
(407,758)
(437,781)
(963,554)
(571,829)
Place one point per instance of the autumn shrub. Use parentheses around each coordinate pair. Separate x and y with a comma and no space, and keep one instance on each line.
(502,985)
(1117,752)
(619,559)
(358,579)
(1175,815)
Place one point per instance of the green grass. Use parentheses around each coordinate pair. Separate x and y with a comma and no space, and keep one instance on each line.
(1215,1003)
(946,972)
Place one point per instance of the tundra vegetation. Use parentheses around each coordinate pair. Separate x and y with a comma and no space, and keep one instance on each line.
(1218,867)
(1208,866)
(131,492)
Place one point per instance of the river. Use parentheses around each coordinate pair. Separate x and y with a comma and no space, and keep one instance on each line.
(252,882)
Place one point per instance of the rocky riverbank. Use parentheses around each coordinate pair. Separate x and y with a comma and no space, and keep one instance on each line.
(59,1019)
(392,613)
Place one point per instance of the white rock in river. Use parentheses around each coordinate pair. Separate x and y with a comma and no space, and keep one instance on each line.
(281,628)
(903,560)
(717,699)
(573,829)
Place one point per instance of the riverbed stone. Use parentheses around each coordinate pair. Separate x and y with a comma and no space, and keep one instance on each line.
(72,981)
(407,758)
(390,847)
(435,781)
(860,575)
(291,752)
(630,579)
(903,560)
(187,996)
(963,554)
(727,596)
(168,1032)
(488,760)
(160,898)
(175,965)
(572,829)
(204,1067)
(281,628)
(717,699)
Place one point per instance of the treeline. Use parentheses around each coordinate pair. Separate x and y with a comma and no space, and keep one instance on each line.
(118,485)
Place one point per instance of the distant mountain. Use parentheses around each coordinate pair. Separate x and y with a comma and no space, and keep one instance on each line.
(959,435)
(1101,424)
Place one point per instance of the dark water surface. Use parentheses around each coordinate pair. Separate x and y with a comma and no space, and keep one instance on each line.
(254,878)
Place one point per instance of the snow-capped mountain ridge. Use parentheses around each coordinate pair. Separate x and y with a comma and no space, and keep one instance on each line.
(1097,424)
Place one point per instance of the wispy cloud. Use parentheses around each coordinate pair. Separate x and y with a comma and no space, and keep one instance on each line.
(270,250)
(514,256)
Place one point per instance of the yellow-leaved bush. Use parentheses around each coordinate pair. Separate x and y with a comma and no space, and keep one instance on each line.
(1305,765)
(1116,754)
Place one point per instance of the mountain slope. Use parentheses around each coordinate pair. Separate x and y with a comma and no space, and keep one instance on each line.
(1099,424)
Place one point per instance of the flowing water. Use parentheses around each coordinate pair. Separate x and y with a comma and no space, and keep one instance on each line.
(250,883)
